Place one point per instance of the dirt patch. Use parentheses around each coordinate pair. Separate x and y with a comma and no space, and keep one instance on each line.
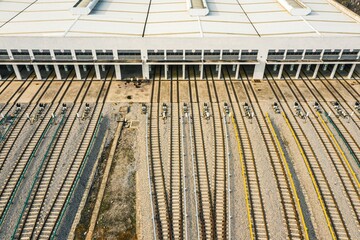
(117,218)
(83,226)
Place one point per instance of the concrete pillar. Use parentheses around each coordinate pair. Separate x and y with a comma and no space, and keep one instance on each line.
(93,51)
(77,71)
(352,69)
(57,72)
(11,56)
(73,54)
(298,71)
(183,72)
(166,71)
(17,72)
(259,70)
(32,57)
(97,71)
(201,67)
(316,71)
(333,71)
(37,72)
(52,54)
(219,72)
(117,72)
(280,71)
(145,70)
(237,71)
(115,53)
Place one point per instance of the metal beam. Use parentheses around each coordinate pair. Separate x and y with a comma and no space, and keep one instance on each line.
(333,71)
(298,71)
(183,72)
(280,71)
(37,72)
(57,72)
(166,72)
(352,69)
(117,72)
(201,67)
(77,71)
(219,71)
(237,71)
(97,71)
(17,72)
(145,71)
(316,71)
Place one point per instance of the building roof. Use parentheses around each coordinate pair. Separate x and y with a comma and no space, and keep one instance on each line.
(170,18)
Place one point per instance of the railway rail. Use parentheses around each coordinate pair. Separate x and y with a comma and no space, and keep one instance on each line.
(56,209)
(30,216)
(176,159)
(158,184)
(205,218)
(17,171)
(324,192)
(293,216)
(255,206)
(220,165)
(340,163)
(339,98)
(344,132)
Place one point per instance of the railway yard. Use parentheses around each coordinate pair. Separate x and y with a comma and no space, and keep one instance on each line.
(210,158)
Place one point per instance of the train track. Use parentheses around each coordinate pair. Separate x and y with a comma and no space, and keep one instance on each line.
(17,171)
(338,97)
(255,206)
(350,142)
(158,184)
(203,198)
(292,213)
(324,192)
(55,210)
(30,216)
(220,165)
(176,159)
(345,172)
(11,135)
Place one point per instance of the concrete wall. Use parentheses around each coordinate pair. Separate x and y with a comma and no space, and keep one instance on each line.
(262,45)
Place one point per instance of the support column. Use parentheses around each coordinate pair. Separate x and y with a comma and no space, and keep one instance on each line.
(219,72)
(166,72)
(97,71)
(117,72)
(260,68)
(77,71)
(37,72)
(237,71)
(52,53)
(352,69)
(259,71)
(17,72)
(57,72)
(183,72)
(333,71)
(201,67)
(298,71)
(145,70)
(280,71)
(316,71)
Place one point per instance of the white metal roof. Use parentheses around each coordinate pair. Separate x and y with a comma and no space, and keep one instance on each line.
(170,18)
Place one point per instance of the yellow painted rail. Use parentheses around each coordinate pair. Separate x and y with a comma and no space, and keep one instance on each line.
(243,172)
(333,235)
(329,132)
(283,158)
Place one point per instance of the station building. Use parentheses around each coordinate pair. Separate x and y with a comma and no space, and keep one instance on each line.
(132,37)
